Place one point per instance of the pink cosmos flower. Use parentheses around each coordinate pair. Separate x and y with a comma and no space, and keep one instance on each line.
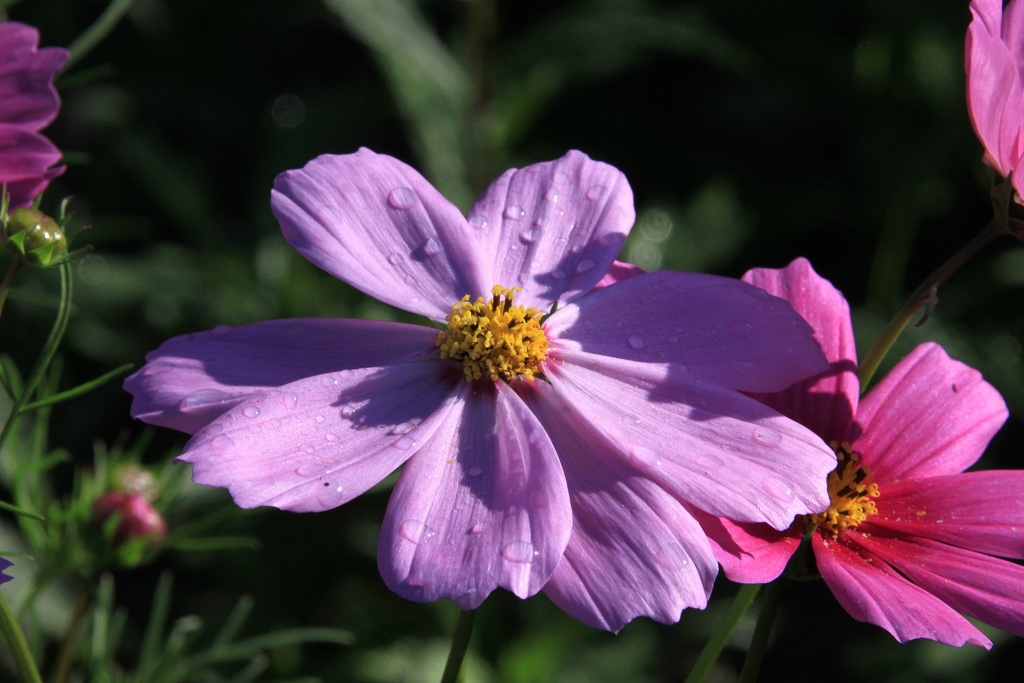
(563,452)
(28,103)
(909,539)
(995,85)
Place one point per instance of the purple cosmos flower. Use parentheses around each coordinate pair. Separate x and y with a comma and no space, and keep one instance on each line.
(5,564)
(565,453)
(28,103)
(909,538)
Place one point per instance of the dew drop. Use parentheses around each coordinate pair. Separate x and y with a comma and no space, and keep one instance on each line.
(328,381)
(478,528)
(432,247)
(348,411)
(310,469)
(643,458)
(778,489)
(741,329)
(561,176)
(529,236)
(402,198)
(551,195)
(474,471)
(766,437)
(557,274)
(290,400)
(671,557)
(204,398)
(331,436)
(394,259)
(478,221)
(673,340)
(319,418)
(405,443)
(758,293)
(636,342)
(520,552)
(415,531)
(612,239)
(251,411)
(514,212)
(221,330)
(585,265)
(403,428)
(596,192)
(221,443)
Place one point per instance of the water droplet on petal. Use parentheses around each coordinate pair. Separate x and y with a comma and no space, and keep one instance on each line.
(348,411)
(478,528)
(310,469)
(221,330)
(741,328)
(432,247)
(415,531)
(671,557)
(402,198)
(673,340)
(557,274)
(585,266)
(290,400)
(403,428)
(758,293)
(612,239)
(405,443)
(551,195)
(328,381)
(561,176)
(319,418)
(251,411)
(514,212)
(394,259)
(520,552)
(643,458)
(331,436)
(596,192)
(529,236)
(776,488)
(221,443)
(636,342)
(765,436)
(474,471)
(204,398)
(478,221)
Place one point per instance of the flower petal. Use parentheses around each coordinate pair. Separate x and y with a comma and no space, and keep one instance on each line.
(27,95)
(826,403)
(979,586)
(713,448)
(993,87)
(980,511)
(482,504)
(634,550)
(192,379)
(749,553)
(721,329)
(930,415)
(1012,30)
(871,591)
(377,224)
(618,271)
(321,441)
(554,228)
(25,164)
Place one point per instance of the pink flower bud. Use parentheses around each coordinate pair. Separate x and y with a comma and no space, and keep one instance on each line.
(138,517)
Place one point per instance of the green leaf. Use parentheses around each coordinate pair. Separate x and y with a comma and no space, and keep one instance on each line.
(20,511)
(79,390)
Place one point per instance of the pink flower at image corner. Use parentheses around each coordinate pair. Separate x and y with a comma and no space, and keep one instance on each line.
(580,480)
(28,103)
(909,539)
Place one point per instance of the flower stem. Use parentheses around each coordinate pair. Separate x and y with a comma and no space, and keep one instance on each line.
(924,294)
(67,649)
(460,643)
(27,669)
(763,629)
(5,286)
(716,643)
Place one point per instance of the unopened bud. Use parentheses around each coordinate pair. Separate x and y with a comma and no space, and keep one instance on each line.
(36,237)
(138,518)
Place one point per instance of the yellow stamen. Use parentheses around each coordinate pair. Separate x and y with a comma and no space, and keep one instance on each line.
(850,490)
(496,339)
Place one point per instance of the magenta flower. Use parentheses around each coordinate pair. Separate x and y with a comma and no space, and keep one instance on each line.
(909,538)
(28,103)
(995,63)
(5,564)
(563,453)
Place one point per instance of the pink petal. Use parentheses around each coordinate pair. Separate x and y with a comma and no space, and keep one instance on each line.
(26,158)
(720,329)
(986,588)
(993,87)
(1012,30)
(321,441)
(750,553)
(617,272)
(635,550)
(713,448)
(554,228)
(192,379)
(871,591)
(377,224)
(482,504)
(27,95)
(930,415)
(980,511)
(825,403)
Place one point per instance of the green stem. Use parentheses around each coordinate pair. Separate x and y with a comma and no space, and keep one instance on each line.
(716,643)
(77,391)
(5,286)
(460,643)
(27,669)
(67,649)
(93,35)
(924,294)
(49,349)
(759,641)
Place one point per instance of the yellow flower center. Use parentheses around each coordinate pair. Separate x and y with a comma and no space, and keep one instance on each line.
(850,490)
(495,339)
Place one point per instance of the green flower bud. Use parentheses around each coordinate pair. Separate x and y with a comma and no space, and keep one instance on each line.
(36,238)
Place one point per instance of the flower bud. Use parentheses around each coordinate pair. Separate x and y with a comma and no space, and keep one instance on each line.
(138,518)
(36,237)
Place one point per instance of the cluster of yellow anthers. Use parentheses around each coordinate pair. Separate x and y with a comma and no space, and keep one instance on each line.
(495,339)
(850,490)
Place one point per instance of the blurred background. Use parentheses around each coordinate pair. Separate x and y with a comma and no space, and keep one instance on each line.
(751,133)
